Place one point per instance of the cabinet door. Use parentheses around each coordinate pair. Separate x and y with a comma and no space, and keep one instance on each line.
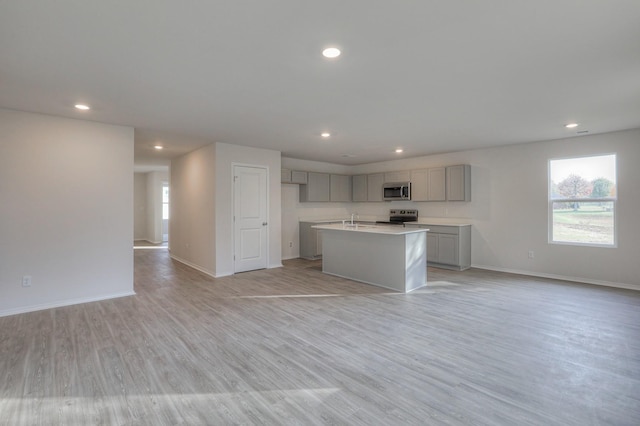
(447,249)
(340,188)
(285,176)
(437,184)
(402,176)
(419,185)
(432,247)
(359,188)
(374,186)
(317,187)
(459,183)
(298,177)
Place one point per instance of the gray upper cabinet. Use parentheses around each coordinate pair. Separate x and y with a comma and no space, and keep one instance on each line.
(340,188)
(419,185)
(451,183)
(359,188)
(374,186)
(285,176)
(293,176)
(437,184)
(428,184)
(317,187)
(298,177)
(459,183)
(403,176)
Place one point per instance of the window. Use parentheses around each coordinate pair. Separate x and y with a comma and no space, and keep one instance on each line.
(582,200)
(165,202)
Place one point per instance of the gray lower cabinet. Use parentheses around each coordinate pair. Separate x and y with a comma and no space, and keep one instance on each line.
(448,246)
(310,241)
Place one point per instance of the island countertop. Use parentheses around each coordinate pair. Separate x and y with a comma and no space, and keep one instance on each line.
(371,229)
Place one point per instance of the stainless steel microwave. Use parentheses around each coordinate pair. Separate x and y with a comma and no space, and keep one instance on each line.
(396,191)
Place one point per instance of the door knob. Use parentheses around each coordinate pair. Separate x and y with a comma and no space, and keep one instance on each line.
(264,223)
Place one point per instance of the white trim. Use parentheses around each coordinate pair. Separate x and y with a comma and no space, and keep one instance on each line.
(233,211)
(560,277)
(277,265)
(62,303)
(194,266)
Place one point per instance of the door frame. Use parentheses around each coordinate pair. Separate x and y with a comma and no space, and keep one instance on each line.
(233,210)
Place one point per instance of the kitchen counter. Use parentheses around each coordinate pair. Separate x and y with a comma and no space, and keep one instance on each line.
(437,221)
(369,228)
(392,257)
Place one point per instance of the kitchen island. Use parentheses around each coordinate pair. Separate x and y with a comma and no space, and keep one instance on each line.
(392,257)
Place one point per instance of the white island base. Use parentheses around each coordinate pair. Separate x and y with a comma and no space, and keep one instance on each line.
(392,257)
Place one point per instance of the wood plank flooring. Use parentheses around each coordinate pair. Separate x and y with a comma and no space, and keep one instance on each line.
(294,346)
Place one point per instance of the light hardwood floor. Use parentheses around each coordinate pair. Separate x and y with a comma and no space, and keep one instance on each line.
(294,346)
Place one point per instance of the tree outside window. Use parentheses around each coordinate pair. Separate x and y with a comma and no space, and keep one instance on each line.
(582,199)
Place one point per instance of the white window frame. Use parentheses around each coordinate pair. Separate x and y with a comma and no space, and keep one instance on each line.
(550,202)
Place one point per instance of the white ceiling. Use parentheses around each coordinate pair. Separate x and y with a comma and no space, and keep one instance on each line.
(427,76)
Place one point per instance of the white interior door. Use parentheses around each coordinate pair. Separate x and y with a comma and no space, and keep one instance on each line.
(250,218)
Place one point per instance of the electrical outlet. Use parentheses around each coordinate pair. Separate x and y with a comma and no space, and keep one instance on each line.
(531,254)
(26,281)
(290,243)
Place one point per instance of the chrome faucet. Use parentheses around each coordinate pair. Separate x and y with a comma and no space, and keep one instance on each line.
(352,214)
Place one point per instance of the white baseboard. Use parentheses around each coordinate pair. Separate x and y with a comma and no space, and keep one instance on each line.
(61,303)
(194,266)
(560,277)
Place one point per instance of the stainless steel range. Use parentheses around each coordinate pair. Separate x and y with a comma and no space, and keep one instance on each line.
(399,217)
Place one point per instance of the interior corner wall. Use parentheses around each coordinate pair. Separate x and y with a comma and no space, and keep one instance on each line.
(226,157)
(66,189)
(154,206)
(139,206)
(192,209)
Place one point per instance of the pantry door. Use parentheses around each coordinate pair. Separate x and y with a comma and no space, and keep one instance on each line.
(250,218)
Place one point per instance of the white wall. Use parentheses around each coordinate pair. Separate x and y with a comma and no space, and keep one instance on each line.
(147,199)
(201,218)
(139,206)
(154,205)
(508,210)
(226,157)
(66,190)
(192,209)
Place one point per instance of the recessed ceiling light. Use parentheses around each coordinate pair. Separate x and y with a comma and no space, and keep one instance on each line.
(158,147)
(331,52)
(571,125)
(399,150)
(82,107)
(325,134)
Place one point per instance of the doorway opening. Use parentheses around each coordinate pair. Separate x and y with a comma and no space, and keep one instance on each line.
(165,212)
